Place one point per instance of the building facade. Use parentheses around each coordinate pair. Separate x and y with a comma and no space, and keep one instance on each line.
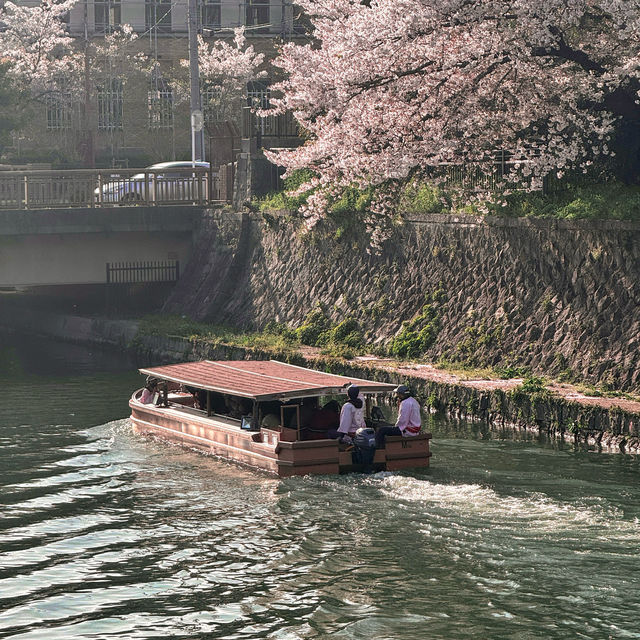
(134,116)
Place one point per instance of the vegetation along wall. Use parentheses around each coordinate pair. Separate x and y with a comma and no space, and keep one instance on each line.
(559,297)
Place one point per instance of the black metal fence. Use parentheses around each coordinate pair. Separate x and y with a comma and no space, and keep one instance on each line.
(137,272)
(278,126)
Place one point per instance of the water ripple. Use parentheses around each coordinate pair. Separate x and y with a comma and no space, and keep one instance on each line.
(104,534)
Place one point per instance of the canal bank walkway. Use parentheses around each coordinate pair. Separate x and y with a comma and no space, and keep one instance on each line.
(568,392)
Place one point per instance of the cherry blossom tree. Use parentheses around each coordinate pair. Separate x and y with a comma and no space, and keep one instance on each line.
(11,107)
(44,60)
(227,68)
(394,89)
(34,40)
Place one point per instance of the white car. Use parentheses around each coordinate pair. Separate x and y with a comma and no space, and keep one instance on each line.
(165,182)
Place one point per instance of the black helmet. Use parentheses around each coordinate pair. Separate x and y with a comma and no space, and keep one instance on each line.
(352,391)
(402,390)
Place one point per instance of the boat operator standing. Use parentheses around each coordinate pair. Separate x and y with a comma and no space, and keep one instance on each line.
(408,422)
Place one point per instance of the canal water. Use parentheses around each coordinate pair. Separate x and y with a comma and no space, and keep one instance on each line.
(104,534)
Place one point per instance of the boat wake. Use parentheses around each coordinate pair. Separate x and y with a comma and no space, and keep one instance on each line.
(535,511)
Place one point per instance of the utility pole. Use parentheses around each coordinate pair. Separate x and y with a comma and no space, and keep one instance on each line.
(197,132)
(87,146)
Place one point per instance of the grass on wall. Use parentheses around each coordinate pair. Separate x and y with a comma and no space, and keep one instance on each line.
(589,201)
(608,201)
(274,337)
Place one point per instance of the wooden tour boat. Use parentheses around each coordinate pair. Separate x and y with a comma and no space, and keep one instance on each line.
(261,414)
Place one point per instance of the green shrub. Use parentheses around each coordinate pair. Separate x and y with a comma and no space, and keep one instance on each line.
(417,335)
(341,340)
(279,200)
(346,333)
(422,197)
(315,324)
(509,372)
(351,200)
(533,384)
(279,329)
(598,201)
(297,178)
(338,351)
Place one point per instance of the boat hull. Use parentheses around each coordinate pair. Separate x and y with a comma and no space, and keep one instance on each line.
(271,450)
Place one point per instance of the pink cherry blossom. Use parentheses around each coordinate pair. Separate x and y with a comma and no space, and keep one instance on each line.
(228,68)
(34,39)
(393,89)
(42,55)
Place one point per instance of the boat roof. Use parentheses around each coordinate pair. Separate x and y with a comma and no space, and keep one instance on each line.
(261,379)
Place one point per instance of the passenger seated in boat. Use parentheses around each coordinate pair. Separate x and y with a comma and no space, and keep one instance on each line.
(237,407)
(269,413)
(308,407)
(270,421)
(199,397)
(323,420)
(408,422)
(351,416)
(150,392)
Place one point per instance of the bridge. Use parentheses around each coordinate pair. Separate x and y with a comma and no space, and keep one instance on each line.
(93,188)
(95,227)
(75,246)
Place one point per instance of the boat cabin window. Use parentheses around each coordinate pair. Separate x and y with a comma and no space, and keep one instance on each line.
(269,414)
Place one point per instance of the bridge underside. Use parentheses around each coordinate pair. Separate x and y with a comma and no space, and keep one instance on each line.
(30,261)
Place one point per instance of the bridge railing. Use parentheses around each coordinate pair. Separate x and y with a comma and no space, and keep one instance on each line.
(108,187)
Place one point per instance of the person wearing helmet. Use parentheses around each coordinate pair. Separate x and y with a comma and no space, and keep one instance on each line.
(408,422)
(351,415)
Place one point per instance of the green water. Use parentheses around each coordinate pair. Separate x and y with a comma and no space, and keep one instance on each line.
(104,534)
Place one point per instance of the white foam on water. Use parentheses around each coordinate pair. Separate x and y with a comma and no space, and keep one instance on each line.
(534,511)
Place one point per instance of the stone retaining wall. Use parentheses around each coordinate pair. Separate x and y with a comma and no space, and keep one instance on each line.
(557,296)
(609,429)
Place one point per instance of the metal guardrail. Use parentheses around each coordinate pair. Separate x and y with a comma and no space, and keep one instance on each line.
(108,188)
(487,177)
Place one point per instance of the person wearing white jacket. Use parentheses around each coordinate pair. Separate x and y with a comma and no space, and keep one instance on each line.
(351,415)
(408,422)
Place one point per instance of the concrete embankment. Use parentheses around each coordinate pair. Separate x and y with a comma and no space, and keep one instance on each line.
(559,297)
(610,424)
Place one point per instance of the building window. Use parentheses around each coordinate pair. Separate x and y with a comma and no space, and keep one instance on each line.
(257,15)
(210,17)
(110,99)
(58,105)
(157,15)
(160,105)
(259,95)
(211,102)
(107,15)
